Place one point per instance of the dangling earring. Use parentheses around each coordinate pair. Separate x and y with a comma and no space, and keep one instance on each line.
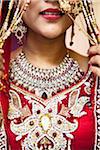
(20,31)
(72,35)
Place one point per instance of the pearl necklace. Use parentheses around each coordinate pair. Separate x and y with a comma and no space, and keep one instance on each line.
(44,82)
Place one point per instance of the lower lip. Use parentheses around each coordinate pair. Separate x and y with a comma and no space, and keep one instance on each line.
(51,17)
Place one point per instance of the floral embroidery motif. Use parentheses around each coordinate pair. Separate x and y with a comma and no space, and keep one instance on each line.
(78,104)
(46,128)
(15,107)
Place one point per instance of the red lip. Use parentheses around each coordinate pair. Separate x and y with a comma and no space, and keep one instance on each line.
(51,14)
(51,10)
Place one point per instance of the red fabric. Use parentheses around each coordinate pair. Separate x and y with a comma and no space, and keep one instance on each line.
(4,93)
(84,136)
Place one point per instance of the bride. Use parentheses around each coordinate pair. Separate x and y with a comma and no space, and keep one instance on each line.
(53,90)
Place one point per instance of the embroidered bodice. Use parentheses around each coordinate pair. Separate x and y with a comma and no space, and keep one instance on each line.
(64,120)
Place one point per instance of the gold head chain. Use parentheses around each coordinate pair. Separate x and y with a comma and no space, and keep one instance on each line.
(86,7)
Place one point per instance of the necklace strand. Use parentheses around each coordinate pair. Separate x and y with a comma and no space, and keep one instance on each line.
(44,82)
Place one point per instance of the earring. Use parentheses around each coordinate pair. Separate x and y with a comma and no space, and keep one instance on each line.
(20,31)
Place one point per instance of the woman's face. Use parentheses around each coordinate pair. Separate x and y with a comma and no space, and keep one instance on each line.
(45,18)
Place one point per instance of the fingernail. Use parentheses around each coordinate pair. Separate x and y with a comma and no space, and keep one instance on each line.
(3,60)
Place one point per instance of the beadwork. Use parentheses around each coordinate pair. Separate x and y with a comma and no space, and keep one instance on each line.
(44,82)
(45,127)
(40,125)
(71,6)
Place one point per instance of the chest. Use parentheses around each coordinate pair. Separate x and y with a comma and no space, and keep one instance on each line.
(55,123)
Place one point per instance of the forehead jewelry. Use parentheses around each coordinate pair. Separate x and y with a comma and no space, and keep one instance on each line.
(86,7)
(71,6)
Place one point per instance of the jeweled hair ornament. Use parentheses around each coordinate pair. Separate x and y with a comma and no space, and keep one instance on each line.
(86,7)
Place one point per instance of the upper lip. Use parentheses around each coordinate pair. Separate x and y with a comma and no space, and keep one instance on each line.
(51,10)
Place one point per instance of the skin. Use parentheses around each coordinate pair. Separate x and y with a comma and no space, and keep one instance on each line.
(44,46)
(44,36)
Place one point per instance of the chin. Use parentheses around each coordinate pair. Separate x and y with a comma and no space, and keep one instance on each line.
(52,34)
(46,31)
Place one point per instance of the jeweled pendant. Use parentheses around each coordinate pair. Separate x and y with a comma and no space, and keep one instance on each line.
(45,122)
(44,95)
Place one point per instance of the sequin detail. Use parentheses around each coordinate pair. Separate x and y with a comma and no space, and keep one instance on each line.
(48,81)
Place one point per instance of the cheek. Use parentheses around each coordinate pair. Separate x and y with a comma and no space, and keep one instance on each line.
(41,26)
(32,11)
(67,22)
(29,17)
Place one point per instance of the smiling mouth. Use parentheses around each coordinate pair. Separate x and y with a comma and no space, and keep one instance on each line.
(51,14)
(51,11)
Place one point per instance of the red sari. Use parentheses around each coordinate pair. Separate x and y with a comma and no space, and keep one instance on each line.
(66,121)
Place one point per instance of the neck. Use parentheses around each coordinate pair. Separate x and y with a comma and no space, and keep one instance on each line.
(43,52)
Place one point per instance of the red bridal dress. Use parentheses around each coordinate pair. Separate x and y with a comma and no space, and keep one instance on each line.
(57,109)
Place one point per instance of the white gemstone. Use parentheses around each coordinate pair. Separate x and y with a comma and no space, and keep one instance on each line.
(45,122)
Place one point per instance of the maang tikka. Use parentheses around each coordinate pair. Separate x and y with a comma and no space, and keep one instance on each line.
(72,8)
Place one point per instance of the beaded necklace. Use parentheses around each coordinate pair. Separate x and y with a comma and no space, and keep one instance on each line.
(51,116)
(44,82)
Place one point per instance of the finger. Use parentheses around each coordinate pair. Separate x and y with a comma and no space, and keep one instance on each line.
(95,70)
(1,74)
(95,60)
(2,61)
(1,64)
(1,67)
(94,50)
(1,51)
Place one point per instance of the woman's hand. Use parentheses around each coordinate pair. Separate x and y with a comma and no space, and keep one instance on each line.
(94,53)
